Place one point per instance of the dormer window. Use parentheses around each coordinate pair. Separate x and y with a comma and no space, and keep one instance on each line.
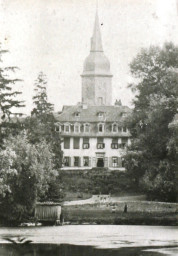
(58,128)
(77,128)
(123,114)
(86,127)
(67,128)
(114,128)
(77,114)
(100,114)
(100,128)
(124,129)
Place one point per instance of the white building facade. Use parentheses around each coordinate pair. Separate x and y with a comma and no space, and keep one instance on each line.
(94,132)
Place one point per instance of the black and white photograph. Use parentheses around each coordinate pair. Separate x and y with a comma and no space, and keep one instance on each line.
(88,127)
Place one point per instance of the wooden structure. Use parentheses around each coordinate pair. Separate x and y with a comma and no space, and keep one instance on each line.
(48,212)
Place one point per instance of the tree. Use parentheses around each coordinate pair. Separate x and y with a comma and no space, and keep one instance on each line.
(41,124)
(155,104)
(26,172)
(40,100)
(8,97)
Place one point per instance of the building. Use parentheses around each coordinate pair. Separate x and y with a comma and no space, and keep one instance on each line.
(93,131)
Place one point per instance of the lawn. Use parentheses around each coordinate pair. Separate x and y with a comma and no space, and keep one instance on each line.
(149,213)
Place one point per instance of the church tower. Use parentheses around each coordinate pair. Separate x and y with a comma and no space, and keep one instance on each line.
(96,76)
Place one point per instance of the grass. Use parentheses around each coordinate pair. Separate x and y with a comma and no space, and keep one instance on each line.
(148,213)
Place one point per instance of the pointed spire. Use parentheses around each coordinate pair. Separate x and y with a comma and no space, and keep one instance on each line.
(96,42)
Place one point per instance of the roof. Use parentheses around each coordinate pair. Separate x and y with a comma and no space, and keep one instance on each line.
(48,204)
(90,113)
(96,42)
(96,63)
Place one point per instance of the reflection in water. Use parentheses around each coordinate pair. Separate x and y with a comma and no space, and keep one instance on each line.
(89,240)
(75,250)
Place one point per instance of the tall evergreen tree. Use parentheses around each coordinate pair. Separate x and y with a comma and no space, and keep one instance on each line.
(41,124)
(8,97)
(40,100)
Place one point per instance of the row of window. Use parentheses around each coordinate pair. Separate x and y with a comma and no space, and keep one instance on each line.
(87,128)
(99,145)
(100,114)
(77,161)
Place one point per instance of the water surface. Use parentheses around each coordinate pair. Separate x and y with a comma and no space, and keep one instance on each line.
(87,240)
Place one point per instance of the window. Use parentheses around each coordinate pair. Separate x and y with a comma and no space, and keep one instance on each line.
(115,161)
(124,129)
(86,128)
(77,114)
(114,144)
(101,128)
(123,114)
(100,100)
(124,142)
(58,128)
(77,128)
(67,128)
(100,144)
(76,143)
(66,143)
(100,114)
(66,161)
(76,161)
(86,161)
(86,144)
(114,128)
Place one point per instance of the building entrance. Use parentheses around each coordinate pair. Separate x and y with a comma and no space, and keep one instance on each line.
(100,162)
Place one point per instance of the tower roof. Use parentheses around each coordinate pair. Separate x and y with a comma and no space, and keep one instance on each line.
(96,42)
(96,63)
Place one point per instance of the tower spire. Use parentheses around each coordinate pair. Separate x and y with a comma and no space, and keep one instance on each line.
(96,42)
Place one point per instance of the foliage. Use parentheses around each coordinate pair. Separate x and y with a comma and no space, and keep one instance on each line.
(156,103)
(8,97)
(40,100)
(160,183)
(134,165)
(41,124)
(25,173)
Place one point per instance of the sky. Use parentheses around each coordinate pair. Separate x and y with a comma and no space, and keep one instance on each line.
(53,36)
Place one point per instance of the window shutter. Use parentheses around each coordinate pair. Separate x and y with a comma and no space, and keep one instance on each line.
(90,161)
(99,140)
(119,162)
(66,143)
(110,161)
(76,143)
(70,161)
(85,140)
(94,161)
(114,140)
(79,161)
(106,162)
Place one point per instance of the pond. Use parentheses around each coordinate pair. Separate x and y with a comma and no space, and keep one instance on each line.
(90,240)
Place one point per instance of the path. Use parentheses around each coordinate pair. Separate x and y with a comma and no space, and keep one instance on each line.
(105,199)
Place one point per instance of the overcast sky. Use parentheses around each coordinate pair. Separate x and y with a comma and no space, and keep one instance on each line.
(54,37)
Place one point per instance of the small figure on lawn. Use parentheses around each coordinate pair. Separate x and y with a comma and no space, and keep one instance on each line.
(125,208)
(61,218)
